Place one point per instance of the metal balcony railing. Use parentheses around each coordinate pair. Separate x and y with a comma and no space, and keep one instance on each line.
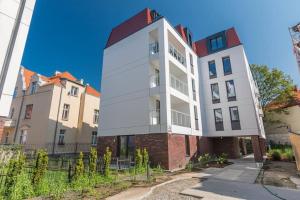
(177,55)
(153,48)
(154,80)
(178,84)
(181,119)
(154,117)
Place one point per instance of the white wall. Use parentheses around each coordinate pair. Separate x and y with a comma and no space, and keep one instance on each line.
(244,94)
(8,14)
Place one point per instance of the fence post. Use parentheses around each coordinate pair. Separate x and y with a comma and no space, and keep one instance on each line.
(69,172)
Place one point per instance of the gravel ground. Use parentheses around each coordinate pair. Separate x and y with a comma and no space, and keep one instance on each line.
(171,191)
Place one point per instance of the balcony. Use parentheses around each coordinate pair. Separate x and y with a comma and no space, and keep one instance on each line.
(154,81)
(153,48)
(178,84)
(154,117)
(177,55)
(181,119)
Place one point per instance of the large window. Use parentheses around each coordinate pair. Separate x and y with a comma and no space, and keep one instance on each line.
(215,93)
(192,64)
(66,110)
(94,138)
(231,95)
(23,136)
(187,146)
(227,66)
(28,111)
(126,146)
(33,87)
(235,118)
(74,91)
(96,116)
(196,118)
(61,137)
(212,69)
(194,89)
(216,43)
(218,119)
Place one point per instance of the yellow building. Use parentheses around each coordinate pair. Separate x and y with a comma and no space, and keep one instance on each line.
(282,122)
(58,113)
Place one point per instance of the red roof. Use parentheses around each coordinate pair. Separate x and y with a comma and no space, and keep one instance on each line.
(27,76)
(180,30)
(92,91)
(130,26)
(294,102)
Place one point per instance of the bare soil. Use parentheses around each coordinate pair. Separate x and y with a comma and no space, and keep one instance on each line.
(278,173)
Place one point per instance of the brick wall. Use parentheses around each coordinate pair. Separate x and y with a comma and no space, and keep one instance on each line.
(228,145)
(258,156)
(177,152)
(1,129)
(205,145)
(107,141)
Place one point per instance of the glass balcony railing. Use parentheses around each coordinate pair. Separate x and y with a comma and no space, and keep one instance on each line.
(154,117)
(181,119)
(153,48)
(178,84)
(177,55)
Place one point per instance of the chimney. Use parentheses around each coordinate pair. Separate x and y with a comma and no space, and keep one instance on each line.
(57,72)
(81,81)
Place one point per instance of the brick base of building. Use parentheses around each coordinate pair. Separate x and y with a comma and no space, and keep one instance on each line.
(1,129)
(169,150)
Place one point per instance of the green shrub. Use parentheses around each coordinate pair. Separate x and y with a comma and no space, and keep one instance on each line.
(79,168)
(40,167)
(222,159)
(145,158)
(205,159)
(276,155)
(138,160)
(189,166)
(107,161)
(23,188)
(93,161)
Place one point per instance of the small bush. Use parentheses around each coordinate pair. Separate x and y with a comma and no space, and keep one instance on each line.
(276,155)
(23,188)
(222,159)
(40,166)
(138,160)
(205,159)
(79,168)
(145,158)
(107,161)
(93,161)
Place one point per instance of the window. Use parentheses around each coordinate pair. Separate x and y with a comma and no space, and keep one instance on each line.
(74,91)
(15,92)
(33,87)
(216,43)
(194,89)
(66,110)
(61,137)
(231,96)
(215,93)
(23,136)
(192,64)
(126,146)
(196,118)
(94,138)
(187,146)
(235,118)
(12,113)
(96,116)
(226,66)
(219,119)
(28,111)
(212,69)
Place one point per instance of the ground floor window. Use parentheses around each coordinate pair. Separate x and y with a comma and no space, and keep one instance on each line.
(94,138)
(126,146)
(187,146)
(23,136)
(61,137)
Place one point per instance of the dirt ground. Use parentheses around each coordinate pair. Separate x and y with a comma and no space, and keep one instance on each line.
(278,173)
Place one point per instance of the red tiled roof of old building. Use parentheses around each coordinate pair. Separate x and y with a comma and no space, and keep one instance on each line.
(92,91)
(294,102)
(27,76)
(130,26)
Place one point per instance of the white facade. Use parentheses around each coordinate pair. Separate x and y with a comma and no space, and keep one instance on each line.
(145,89)
(15,17)
(246,95)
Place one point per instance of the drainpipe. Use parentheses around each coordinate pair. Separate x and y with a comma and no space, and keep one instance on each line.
(19,116)
(57,116)
(11,45)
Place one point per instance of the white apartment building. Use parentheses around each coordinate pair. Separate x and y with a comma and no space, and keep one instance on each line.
(58,113)
(156,93)
(15,18)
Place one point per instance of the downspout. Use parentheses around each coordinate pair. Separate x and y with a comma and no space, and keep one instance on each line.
(19,115)
(11,45)
(57,116)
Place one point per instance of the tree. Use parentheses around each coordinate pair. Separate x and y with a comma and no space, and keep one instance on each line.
(40,166)
(79,168)
(273,84)
(93,160)
(107,161)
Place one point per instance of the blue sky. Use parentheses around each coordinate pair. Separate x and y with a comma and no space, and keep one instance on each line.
(69,35)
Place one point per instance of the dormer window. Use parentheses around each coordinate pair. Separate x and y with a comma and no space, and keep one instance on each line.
(216,43)
(33,87)
(74,91)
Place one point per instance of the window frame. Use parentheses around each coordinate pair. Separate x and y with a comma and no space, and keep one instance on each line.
(74,91)
(28,113)
(33,87)
(215,101)
(23,136)
(230,98)
(128,148)
(94,138)
(235,124)
(65,111)
(225,58)
(215,67)
(96,116)
(61,137)
(196,117)
(187,146)
(219,125)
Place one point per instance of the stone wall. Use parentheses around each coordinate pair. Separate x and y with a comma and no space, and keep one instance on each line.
(278,138)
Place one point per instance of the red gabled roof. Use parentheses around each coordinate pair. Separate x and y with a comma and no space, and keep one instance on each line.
(27,76)
(130,26)
(231,38)
(92,91)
